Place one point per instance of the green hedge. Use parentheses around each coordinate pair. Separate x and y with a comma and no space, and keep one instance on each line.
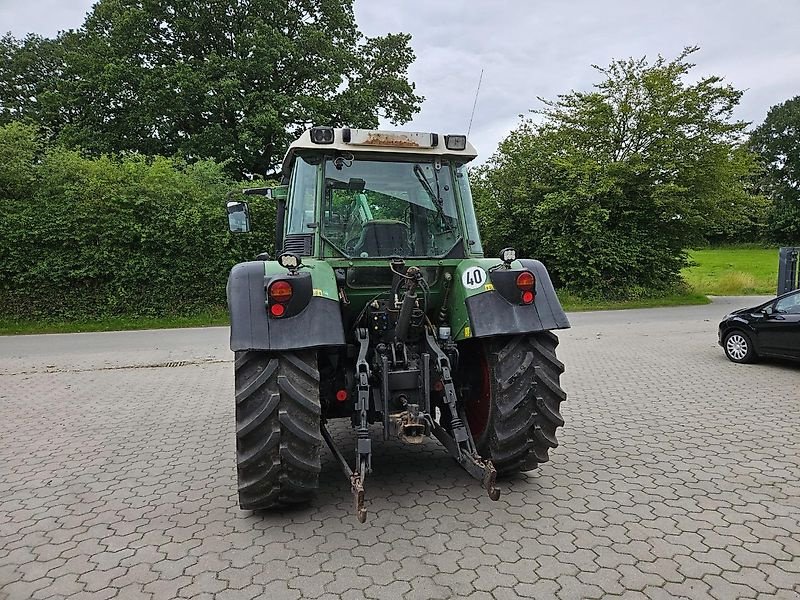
(85,238)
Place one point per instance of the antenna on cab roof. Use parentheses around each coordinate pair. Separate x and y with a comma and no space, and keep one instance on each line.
(475,103)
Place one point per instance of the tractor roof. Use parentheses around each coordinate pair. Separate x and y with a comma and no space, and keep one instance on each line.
(325,139)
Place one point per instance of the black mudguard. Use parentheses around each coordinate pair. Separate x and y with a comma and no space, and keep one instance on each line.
(491,314)
(318,324)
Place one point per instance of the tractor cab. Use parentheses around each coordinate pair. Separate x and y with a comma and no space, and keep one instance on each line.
(364,194)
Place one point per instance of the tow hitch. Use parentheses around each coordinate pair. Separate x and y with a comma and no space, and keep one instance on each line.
(411,426)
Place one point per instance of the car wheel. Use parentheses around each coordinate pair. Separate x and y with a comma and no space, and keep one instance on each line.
(738,347)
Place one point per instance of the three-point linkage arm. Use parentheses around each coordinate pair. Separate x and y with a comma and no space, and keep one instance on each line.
(363,463)
(460,444)
(458,439)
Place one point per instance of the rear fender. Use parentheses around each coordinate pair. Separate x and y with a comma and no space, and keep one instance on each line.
(479,310)
(317,323)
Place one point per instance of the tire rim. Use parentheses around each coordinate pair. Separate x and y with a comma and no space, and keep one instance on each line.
(480,397)
(736,346)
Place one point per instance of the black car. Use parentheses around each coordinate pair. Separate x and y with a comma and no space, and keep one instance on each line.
(770,329)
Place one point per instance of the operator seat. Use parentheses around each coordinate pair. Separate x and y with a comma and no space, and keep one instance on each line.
(383,238)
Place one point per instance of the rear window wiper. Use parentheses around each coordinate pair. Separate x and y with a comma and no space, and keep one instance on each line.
(434,196)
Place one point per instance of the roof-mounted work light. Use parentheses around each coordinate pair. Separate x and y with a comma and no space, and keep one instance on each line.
(455,142)
(322,135)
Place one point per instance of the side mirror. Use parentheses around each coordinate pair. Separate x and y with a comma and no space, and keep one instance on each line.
(768,310)
(238,217)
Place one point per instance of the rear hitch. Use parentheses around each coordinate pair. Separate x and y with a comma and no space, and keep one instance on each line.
(413,423)
(410,426)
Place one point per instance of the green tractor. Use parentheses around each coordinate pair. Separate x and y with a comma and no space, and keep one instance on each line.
(381,308)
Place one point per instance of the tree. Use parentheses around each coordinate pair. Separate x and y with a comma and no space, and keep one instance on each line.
(609,187)
(777,141)
(230,80)
(19,147)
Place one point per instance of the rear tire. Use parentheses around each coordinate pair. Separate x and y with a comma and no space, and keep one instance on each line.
(513,398)
(278,436)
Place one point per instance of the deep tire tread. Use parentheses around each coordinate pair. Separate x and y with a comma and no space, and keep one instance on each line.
(265,411)
(257,382)
(277,428)
(526,396)
(298,430)
(261,451)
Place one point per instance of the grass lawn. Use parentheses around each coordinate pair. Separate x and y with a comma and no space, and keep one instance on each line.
(733,271)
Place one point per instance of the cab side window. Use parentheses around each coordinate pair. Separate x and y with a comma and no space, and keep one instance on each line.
(304,192)
(789,305)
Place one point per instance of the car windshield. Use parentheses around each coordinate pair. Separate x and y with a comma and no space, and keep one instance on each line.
(381,209)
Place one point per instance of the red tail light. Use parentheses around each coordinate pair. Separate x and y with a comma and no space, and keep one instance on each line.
(526,281)
(277,310)
(280,291)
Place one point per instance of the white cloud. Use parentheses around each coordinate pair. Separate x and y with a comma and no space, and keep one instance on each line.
(544,48)
(532,48)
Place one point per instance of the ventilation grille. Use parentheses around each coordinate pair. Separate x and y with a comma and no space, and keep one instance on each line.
(299,243)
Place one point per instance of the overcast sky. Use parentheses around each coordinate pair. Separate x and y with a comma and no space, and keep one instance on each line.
(531,48)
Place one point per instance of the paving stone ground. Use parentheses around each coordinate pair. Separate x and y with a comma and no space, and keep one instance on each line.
(678,476)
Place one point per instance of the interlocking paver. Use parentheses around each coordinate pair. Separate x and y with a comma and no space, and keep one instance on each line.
(677,477)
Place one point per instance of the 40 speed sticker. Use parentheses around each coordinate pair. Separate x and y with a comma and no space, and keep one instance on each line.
(473,278)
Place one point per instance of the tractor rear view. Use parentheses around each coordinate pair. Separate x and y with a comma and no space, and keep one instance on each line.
(381,308)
